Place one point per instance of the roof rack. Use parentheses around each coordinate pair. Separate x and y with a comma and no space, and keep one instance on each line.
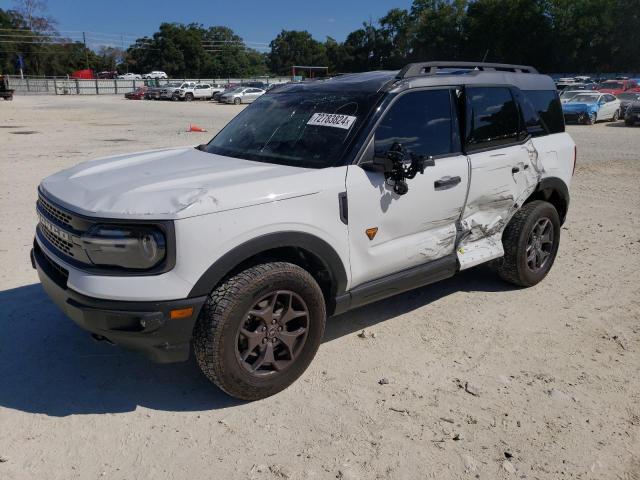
(426,68)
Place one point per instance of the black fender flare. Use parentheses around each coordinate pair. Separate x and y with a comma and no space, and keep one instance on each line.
(305,241)
(550,185)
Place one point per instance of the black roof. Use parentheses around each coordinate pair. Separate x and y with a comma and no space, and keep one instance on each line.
(436,74)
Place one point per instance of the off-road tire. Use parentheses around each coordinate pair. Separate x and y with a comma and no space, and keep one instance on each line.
(215,334)
(513,266)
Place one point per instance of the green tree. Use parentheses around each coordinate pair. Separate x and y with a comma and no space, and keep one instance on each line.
(293,47)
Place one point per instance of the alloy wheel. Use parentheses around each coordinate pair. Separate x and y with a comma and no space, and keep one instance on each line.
(539,245)
(273,333)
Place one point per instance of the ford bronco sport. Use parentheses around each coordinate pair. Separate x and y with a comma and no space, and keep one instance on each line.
(318,198)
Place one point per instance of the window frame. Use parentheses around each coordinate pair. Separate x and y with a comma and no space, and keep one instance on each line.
(391,100)
(514,92)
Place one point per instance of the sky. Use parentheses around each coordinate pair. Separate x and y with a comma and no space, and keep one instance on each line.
(257,22)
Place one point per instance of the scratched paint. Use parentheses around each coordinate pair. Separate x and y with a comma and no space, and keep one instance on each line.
(498,188)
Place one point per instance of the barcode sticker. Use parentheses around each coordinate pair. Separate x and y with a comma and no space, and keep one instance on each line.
(332,120)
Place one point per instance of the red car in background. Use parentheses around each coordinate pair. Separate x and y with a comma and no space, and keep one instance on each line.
(616,87)
(137,94)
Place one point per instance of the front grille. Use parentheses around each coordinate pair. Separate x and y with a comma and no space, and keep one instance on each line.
(61,230)
(53,211)
(634,109)
(61,244)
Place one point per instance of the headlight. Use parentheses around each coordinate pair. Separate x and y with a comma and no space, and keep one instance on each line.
(180,92)
(135,247)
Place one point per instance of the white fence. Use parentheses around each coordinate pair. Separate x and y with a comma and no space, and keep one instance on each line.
(65,86)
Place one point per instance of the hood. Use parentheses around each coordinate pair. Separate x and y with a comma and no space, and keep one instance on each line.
(173,183)
(578,107)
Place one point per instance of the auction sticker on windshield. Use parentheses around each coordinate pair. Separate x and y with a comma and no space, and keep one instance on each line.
(332,120)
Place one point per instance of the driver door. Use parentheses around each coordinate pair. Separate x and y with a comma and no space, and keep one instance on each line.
(388,232)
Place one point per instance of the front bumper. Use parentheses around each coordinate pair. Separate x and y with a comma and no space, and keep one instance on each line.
(143,326)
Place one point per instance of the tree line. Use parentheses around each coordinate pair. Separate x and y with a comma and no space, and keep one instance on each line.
(552,35)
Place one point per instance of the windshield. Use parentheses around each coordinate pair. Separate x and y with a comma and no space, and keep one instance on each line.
(565,95)
(612,85)
(301,129)
(585,98)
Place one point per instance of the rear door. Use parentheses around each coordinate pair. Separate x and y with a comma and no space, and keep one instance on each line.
(388,232)
(504,170)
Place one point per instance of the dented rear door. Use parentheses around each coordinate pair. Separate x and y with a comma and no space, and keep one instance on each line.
(504,172)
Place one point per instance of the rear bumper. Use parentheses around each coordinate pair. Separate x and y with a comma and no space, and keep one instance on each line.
(143,326)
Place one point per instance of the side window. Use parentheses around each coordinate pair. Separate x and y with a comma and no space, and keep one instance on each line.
(547,104)
(421,122)
(610,98)
(492,117)
(530,116)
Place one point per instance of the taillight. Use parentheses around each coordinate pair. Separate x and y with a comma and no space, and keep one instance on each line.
(575,159)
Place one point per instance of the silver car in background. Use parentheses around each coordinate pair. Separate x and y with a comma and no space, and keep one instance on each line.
(242,95)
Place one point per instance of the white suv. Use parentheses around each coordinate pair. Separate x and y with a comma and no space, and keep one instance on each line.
(155,74)
(318,198)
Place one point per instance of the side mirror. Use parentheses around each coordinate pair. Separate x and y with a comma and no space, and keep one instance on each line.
(374,162)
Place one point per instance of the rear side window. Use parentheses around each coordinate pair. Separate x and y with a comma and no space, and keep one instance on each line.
(492,118)
(547,105)
(421,122)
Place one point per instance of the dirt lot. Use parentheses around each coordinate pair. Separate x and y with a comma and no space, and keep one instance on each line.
(485,381)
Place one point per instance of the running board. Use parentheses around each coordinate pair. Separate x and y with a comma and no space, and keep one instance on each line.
(396,283)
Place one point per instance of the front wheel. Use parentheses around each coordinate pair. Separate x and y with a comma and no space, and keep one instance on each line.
(616,116)
(259,330)
(237,101)
(188,97)
(530,242)
(593,118)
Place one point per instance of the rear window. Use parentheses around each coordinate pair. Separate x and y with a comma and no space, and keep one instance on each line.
(547,104)
(493,119)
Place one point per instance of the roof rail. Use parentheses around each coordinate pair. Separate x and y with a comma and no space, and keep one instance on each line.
(425,68)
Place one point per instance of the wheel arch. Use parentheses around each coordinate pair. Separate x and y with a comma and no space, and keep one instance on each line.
(555,191)
(303,249)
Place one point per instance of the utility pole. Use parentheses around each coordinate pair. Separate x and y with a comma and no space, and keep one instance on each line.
(86,53)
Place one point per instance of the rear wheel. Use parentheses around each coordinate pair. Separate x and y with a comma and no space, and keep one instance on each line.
(259,330)
(530,243)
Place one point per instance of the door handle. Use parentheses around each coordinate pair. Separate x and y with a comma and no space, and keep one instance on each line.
(446,182)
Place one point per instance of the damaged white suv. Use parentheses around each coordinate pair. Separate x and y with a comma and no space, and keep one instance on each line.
(318,198)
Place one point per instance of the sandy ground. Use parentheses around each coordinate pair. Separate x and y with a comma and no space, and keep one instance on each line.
(552,373)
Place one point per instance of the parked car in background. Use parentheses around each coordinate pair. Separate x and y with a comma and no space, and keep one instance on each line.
(200,91)
(567,94)
(242,95)
(226,89)
(155,74)
(172,88)
(627,99)
(615,87)
(130,76)
(137,94)
(107,75)
(590,108)
(153,93)
(632,113)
